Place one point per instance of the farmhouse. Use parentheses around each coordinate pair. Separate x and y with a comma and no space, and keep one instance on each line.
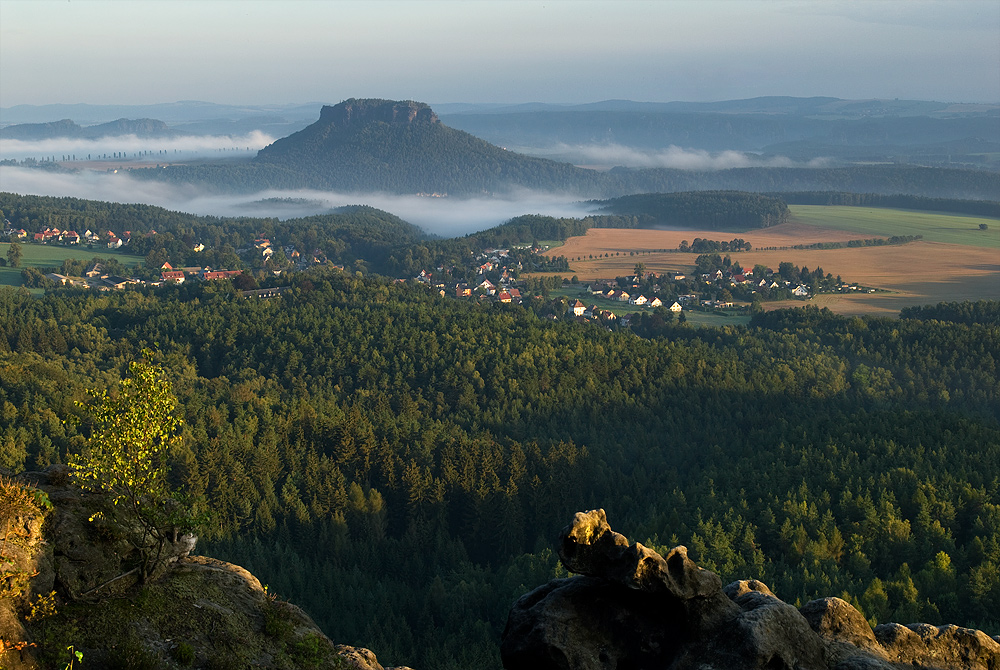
(116,282)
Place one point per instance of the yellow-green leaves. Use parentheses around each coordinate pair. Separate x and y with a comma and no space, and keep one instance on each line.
(125,458)
(131,433)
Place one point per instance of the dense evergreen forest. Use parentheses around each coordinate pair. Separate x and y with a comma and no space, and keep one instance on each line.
(702,209)
(399,464)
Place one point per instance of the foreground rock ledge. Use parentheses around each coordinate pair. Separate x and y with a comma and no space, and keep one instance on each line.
(218,610)
(633,609)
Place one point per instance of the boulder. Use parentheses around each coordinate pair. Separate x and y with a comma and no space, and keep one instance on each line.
(634,608)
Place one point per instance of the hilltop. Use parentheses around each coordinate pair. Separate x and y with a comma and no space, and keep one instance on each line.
(403,146)
(66,128)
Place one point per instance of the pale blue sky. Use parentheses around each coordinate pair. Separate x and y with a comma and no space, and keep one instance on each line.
(261,52)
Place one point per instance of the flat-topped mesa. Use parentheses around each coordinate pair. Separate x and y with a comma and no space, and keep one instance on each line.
(366,110)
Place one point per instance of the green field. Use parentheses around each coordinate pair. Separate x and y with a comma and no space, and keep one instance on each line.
(48,256)
(882,222)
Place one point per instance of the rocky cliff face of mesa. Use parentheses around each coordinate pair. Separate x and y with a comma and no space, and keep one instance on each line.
(67,581)
(633,608)
(360,111)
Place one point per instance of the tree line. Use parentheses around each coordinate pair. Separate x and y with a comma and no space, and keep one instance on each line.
(400,464)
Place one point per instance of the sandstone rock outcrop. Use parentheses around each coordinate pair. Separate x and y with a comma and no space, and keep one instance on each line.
(635,609)
(194,612)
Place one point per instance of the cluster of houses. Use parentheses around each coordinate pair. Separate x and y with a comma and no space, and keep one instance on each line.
(94,278)
(609,290)
(620,295)
(70,237)
(264,249)
(495,262)
(506,293)
(171,275)
(769,282)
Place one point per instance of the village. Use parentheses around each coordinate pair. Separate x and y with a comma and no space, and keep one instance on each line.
(99,277)
(495,275)
(717,284)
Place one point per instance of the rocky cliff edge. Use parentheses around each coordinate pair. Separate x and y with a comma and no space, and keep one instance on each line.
(632,608)
(66,581)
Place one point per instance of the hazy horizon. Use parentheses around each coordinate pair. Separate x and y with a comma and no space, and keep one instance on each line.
(106,52)
(102,52)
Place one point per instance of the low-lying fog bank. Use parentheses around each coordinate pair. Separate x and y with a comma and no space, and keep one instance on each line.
(131,146)
(606,156)
(446,217)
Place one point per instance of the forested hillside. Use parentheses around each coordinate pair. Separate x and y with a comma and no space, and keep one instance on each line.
(354,234)
(399,464)
(701,209)
(68,129)
(382,145)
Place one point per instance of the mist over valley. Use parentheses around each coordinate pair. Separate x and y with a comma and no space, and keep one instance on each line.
(451,183)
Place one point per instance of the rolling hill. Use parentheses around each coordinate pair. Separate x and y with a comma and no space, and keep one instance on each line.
(67,128)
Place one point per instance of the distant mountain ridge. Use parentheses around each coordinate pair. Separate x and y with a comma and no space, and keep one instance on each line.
(816,106)
(718,131)
(371,145)
(68,129)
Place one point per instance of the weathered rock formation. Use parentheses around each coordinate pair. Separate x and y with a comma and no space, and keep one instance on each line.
(385,111)
(634,609)
(195,611)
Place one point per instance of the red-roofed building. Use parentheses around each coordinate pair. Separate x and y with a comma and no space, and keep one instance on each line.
(209,275)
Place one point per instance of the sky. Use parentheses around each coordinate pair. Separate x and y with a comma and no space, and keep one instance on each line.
(258,52)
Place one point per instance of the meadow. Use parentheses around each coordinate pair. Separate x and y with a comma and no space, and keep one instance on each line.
(954,261)
(882,222)
(50,256)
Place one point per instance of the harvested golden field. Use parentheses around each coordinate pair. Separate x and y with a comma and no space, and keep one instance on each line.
(917,273)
